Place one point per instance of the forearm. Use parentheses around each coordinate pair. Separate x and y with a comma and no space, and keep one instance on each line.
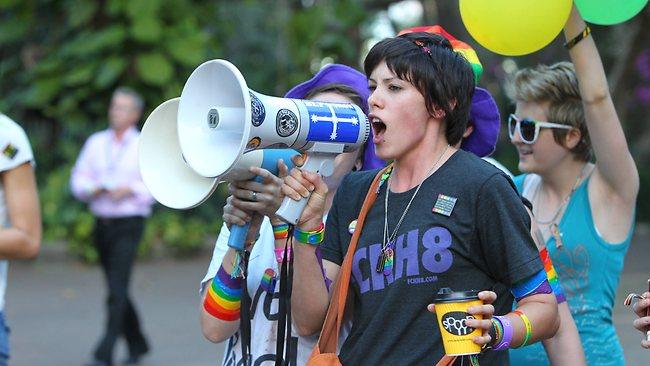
(18,244)
(22,239)
(589,67)
(605,131)
(565,348)
(216,330)
(215,324)
(542,312)
(310,297)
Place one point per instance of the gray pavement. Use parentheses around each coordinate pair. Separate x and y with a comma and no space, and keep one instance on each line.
(55,307)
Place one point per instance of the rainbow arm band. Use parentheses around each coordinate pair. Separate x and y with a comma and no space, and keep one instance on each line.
(553,279)
(536,284)
(223,299)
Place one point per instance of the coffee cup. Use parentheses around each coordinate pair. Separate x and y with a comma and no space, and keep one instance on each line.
(451,311)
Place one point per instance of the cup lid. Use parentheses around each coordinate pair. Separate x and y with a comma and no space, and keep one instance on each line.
(447,295)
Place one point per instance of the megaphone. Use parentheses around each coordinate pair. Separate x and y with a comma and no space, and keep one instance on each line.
(219,119)
(162,167)
(174,183)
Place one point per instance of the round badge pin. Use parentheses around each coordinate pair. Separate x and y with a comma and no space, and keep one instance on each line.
(352,226)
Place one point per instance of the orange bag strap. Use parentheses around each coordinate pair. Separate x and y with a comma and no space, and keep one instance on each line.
(329,337)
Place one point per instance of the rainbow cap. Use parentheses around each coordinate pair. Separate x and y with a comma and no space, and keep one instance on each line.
(459,46)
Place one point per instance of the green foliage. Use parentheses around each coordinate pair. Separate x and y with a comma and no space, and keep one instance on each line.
(61,60)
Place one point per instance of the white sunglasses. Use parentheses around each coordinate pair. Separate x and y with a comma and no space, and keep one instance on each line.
(529,129)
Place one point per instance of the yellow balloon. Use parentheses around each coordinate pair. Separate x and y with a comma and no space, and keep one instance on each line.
(514,27)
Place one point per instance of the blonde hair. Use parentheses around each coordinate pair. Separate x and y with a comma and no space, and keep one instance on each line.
(557,85)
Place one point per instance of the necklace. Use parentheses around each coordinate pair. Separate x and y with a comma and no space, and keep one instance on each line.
(386,255)
(554,227)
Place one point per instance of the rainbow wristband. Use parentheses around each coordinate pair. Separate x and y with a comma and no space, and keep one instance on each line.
(314,237)
(223,300)
(281,231)
(506,334)
(529,327)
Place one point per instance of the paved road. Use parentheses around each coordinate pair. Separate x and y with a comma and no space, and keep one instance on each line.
(55,309)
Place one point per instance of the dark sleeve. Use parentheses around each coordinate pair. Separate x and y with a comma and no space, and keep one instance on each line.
(331,248)
(504,232)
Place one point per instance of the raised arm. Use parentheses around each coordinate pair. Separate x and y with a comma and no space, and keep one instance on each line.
(310,296)
(216,325)
(614,163)
(22,239)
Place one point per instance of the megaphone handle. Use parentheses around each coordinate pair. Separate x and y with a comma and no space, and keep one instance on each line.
(237,236)
(290,210)
(238,233)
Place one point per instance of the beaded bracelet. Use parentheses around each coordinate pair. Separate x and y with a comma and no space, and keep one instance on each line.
(529,327)
(279,254)
(280,231)
(506,335)
(496,332)
(314,237)
(573,41)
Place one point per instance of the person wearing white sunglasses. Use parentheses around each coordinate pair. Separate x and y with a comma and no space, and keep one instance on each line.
(528,129)
(583,204)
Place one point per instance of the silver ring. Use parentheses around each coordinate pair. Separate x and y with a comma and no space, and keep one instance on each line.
(254,196)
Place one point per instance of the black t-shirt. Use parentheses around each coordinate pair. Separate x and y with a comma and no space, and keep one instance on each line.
(484,244)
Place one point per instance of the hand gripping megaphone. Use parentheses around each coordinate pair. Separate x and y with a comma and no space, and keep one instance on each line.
(174,183)
(219,119)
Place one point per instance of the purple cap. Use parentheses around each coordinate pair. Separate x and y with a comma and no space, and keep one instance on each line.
(484,117)
(341,74)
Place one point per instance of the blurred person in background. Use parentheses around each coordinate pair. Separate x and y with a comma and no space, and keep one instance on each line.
(106,175)
(20,215)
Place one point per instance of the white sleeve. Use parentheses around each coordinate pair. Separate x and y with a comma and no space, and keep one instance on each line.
(220,249)
(15,149)
(500,166)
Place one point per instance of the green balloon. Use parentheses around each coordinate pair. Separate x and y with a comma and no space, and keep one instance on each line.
(608,12)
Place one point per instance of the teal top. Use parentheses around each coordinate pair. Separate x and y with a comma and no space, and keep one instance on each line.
(589,270)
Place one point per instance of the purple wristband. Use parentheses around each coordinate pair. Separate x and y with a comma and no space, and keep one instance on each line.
(507,333)
(226,279)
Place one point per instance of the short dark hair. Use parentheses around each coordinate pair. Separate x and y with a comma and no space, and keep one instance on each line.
(442,76)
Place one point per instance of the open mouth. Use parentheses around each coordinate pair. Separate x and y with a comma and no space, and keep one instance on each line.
(378,129)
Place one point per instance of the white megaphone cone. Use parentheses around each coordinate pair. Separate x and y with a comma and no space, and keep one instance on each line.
(169,179)
(174,183)
(219,119)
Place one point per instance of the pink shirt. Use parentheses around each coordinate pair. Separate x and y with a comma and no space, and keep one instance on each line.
(107,162)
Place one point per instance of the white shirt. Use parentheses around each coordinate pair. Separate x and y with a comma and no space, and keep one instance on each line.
(263,330)
(14,151)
